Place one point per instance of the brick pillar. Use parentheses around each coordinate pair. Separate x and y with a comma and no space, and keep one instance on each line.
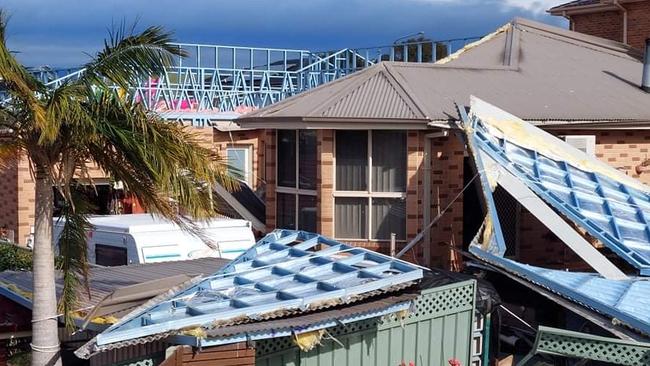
(447,155)
(270,171)
(325,182)
(9,199)
(414,193)
(26,201)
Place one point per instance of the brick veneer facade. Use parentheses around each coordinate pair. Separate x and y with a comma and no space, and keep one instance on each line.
(608,22)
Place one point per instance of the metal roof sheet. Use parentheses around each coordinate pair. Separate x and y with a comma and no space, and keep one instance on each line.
(541,73)
(625,300)
(597,198)
(606,203)
(105,280)
(284,273)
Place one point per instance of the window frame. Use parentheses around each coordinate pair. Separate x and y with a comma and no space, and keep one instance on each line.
(247,175)
(368,193)
(296,190)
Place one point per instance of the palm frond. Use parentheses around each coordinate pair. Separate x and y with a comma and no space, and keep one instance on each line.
(129,58)
(21,85)
(73,255)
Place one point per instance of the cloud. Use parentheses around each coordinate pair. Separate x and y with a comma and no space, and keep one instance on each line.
(535,6)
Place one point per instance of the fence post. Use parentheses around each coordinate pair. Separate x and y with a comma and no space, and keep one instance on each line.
(392,244)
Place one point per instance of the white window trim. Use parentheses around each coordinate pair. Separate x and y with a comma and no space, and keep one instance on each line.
(248,164)
(369,194)
(296,191)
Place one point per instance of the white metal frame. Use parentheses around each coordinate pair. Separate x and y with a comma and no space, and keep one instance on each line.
(248,173)
(369,194)
(296,190)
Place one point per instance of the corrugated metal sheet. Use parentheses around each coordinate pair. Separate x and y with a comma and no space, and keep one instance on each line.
(154,351)
(378,96)
(105,280)
(439,330)
(538,72)
(285,273)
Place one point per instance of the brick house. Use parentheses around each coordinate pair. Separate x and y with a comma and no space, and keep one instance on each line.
(626,21)
(379,152)
(242,147)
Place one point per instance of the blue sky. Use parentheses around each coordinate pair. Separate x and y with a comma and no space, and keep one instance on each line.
(63,32)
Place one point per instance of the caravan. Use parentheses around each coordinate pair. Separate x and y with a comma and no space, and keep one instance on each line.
(117,240)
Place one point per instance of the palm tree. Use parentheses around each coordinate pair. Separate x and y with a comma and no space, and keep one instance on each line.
(87,120)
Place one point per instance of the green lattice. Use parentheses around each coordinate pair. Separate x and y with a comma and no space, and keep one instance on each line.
(431,303)
(559,342)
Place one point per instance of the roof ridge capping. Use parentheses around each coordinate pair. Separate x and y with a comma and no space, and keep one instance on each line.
(597,43)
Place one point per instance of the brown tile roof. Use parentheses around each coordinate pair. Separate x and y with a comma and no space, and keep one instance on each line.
(539,72)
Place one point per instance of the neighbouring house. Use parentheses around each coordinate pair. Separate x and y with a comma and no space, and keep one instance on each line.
(240,147)
(301,298)
(379,152)
(114,293)
(625,21)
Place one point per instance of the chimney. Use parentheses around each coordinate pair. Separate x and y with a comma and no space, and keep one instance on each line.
(645,81)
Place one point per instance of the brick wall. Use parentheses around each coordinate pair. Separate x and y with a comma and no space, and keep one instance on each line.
(247,138)
(446,182)
(325,182)
(623,150)
(9,199)
(638,20)
(609,24)
(269,173)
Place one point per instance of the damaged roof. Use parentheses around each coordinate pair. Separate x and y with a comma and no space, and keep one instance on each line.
(543,74)
(596,198)
(285,273)
(105,281)
(608,204)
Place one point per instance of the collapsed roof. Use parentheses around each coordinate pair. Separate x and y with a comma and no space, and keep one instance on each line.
(285,273)
(560,184)
(543,74)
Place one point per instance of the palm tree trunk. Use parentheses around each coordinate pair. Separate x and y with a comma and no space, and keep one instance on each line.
(45,337)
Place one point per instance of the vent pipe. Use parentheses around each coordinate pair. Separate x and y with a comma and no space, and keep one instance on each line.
(645,80)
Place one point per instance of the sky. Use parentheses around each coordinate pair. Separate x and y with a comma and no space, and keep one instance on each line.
(64,33)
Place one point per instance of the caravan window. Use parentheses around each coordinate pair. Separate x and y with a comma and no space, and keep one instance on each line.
(106,255)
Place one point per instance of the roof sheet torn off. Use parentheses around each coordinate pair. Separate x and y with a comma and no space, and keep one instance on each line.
(598,199)
(609,205)
(285,273)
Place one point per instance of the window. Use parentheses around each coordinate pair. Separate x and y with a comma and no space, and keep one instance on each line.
(370,185)
(296,191)
(240,163)
(106,255)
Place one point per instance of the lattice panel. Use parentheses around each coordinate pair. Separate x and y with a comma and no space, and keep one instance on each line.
(621,354)
(444,301)
(268,346)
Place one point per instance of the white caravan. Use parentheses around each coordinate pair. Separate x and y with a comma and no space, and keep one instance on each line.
(117,240)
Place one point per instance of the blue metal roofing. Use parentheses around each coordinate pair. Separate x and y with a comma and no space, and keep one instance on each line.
(625,300)
(609,205)
(285,272)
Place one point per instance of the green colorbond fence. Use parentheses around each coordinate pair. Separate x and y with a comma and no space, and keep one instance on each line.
(439,330)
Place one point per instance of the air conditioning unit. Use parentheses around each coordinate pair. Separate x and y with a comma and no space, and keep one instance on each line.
(584,143)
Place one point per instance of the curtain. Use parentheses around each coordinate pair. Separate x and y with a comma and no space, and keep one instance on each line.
(351,217)
(286,158)
(388,216)
(388,161)
(351,160)
(307,159)
(286,211)
(307,213)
